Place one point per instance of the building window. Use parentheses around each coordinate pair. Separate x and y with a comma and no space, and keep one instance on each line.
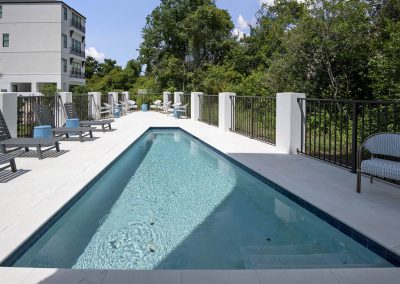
(76,45)
(65,65)
(1,12)
(65,13)
(6,40)
(65,41)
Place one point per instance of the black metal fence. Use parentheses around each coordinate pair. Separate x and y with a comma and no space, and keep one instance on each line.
(186,99)
(84,106)
(26,117)
(254,117)
(332,130)
(104,99)
(208,109)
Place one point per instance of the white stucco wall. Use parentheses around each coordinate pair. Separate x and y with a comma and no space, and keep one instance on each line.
(35,51)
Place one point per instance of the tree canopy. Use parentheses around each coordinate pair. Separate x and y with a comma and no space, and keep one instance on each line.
(325,48)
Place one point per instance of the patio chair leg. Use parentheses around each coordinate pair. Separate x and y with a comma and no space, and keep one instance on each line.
(57,147)
(358,181)
(13,166)
(39,152)
(109,126)
(372,179)
(103,128)
(80,136)
(91,134)
(26,149)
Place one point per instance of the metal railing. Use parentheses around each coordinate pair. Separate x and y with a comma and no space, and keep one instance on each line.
(26,116)
(332,130)
(78,26)
(83,105)
(208,109)
(77,52)
(254,117)
(77,74)
(186,99)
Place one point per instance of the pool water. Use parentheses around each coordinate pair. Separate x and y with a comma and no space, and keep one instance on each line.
(172,203)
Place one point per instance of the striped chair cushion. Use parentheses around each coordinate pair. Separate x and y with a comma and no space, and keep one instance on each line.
(381,168)
(387,144)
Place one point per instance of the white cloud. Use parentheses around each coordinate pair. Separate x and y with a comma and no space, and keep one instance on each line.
(238,33)
(242,23)
(91,51)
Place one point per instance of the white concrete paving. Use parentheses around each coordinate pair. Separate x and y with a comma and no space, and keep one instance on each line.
(30,200)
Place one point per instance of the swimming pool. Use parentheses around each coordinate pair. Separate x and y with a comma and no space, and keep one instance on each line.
(171,202)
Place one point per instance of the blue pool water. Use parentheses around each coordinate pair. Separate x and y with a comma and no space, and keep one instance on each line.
(171,203)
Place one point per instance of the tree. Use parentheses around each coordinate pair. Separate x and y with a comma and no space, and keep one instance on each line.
(91,67)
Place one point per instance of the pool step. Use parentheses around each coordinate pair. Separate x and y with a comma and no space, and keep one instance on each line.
(300,256)
(311,248)
(332,260)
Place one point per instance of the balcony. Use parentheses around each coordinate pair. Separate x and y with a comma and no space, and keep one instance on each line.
(77,52)
(78,26)
(77,74)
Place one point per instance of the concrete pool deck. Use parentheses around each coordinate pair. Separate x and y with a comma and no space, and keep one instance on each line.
(29,200)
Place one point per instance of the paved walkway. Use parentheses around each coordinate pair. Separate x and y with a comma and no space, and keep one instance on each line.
(27,201)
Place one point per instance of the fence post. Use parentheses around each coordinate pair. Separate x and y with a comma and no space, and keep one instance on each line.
(288,116)
(354,140)
(177,97)
(195,105)
(66,97)
(96,104)
(125,96)
(225,111)
(114,97)
(8,106)
(166,97)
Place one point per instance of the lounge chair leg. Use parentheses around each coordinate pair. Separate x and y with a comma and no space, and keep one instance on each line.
(26,149)
(372,179)
(57,147)
(358,181)
(13,166)
(91,133)
(109,126)
(103,128)
(39,152)
(80,137)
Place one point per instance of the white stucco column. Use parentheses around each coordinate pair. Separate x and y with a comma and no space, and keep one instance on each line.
(8,106)
(114,96)
(288,122)
(225,111)
(177,97)
(66,97)
(125,96)
(96,104)
(195,105)
(166,97)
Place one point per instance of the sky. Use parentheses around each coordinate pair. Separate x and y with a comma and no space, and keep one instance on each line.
(113,28)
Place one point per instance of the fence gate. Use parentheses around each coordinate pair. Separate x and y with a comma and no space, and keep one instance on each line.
(209,109)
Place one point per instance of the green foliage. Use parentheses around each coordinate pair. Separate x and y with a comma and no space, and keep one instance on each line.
(48,89)
(344,49)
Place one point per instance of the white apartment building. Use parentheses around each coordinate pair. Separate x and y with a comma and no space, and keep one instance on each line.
(41,42)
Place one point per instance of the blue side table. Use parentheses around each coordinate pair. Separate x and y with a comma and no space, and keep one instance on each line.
(177,113)
(72,123)
(117,113)
(145,107)
(43,131)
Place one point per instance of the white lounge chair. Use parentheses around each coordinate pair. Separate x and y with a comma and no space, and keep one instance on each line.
(156,105)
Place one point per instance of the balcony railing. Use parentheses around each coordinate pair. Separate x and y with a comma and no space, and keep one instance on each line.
(77,52)
(77,74)
(78,26)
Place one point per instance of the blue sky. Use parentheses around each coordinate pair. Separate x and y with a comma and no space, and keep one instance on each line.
(114,27)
